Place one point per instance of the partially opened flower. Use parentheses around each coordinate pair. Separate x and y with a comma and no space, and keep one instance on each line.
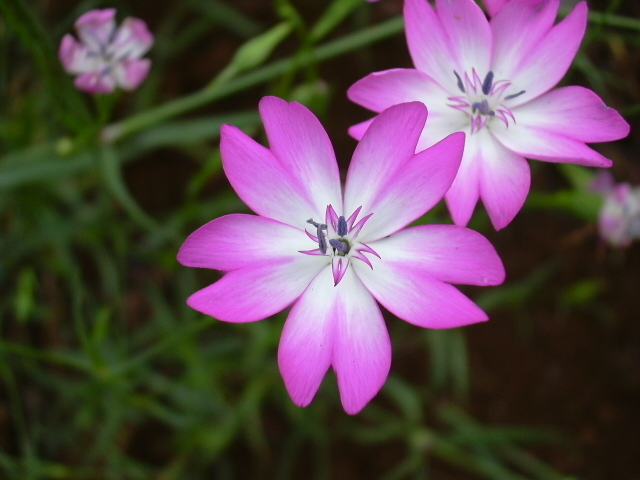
(106,57)
(493,80)
(619,221)
(331,254)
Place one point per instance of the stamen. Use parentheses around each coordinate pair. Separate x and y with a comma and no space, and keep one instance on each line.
(316,252)
(515,95)
(366,248)
(340,245)
(488,83)
(321,236)
(482,107)
(358,226)
(459,80)
(342,226)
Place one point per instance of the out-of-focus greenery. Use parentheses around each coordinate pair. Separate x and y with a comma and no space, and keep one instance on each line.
(105,372)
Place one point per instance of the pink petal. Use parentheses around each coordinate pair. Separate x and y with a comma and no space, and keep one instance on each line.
(75,57)
(494,6)
(361,349)
(96,27)
(417,297)
(381,90)
(469,34)
(132,40)
(357,131)
(95,83)
(429,44)
(465,190)
(517,29)
(387,145)
(539,144)
(258,291)
(546,64)
(449,253)
(262,182)
(301,145)
(415,188)
(306,344)
(131,73)
(505,179)
(238,241)
(574,112)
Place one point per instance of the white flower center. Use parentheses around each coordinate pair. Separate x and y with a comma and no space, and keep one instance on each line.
(483,100)
(336,239)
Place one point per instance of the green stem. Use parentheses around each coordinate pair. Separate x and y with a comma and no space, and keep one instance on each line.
(354,41)
(610,20)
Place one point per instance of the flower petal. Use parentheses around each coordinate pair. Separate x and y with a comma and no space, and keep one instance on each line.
(417,297)
(75,57)
(131,73)
(306,344)
(449,253)
(465,190)
(505,179)
(469,34)
(539,144)
(415,188)
(238,240)
(361,349)
(95,83)
(301,145)
(132,40)
(262,182)
(545,65)
(256,292)
(357,131)
(494,6)
(575,112)
(381,90)
(517,29)
(96,27)
(386,146)
(429,45)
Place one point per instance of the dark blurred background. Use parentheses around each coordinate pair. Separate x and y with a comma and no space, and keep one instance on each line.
(105,373)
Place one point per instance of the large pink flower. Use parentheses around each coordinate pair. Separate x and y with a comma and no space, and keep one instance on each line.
(493,80)
(331,255)
(107,57)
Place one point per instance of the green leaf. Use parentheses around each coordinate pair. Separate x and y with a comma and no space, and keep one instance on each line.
(332,17)
(254,53)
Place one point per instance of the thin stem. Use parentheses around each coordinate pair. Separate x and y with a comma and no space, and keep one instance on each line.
(136,123)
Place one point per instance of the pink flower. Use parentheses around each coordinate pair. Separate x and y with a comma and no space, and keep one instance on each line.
(106,57)
(619,221)
(330,253)
(493,80)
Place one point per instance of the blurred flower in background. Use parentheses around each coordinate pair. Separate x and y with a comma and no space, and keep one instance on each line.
(493,80)
(105,58)
(619,221)
(271,261)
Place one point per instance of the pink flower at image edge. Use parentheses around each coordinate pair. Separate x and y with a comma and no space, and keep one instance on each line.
(332,253)
(104,57)
(493,80)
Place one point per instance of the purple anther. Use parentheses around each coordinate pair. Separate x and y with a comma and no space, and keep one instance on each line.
(340,245)
(342,226)
(515,95)
(482,107)
(488,83)
(321,236)
(459,80)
